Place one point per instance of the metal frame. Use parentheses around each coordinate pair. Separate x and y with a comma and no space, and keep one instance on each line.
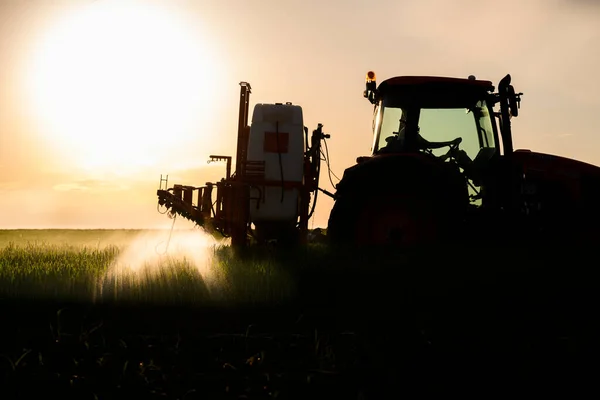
(229,214)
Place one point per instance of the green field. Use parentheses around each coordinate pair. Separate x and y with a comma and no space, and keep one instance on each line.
(133,265)
(189,266)
(104,314)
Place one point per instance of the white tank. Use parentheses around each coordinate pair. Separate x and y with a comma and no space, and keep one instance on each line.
(277,130)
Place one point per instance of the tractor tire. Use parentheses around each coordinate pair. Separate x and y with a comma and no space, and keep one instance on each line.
(397,201)
(394,220)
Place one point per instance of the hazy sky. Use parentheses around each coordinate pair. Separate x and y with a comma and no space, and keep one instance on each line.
(98,98)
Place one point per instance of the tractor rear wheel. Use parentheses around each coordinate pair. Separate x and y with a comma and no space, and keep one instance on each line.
(395,220)
(402,201)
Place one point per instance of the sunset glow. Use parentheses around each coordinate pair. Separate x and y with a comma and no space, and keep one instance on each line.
(114,86)
(100,97)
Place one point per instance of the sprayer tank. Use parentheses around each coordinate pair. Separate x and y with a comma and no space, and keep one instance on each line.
(277,138)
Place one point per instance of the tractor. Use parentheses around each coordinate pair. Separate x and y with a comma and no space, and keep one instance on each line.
(443,169)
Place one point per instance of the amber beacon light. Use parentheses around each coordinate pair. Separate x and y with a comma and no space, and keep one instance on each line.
(371,76)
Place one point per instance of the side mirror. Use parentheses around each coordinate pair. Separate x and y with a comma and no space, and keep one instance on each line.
(509,107)
(371,87)
(508,92)
(512,101)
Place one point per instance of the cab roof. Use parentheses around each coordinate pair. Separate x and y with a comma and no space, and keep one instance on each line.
(434,81)
(433,90)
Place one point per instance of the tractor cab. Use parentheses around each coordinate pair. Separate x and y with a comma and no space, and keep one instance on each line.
(422,113)
(450,119)
(432,115)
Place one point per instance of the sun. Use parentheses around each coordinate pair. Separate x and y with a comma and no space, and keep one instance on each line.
(114,85)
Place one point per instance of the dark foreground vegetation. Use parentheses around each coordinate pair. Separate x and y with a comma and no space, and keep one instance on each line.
(306,324)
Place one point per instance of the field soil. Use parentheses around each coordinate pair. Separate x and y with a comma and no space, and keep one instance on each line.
(357,326)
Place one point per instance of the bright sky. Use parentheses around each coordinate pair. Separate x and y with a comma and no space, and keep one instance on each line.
(98,98)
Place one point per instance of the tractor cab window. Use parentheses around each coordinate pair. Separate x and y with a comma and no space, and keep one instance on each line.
(389,126)
(473,125)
